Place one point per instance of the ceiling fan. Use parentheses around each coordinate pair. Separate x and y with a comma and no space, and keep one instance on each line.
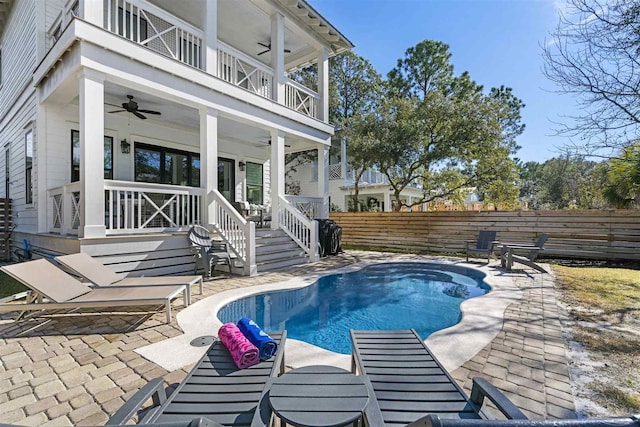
(268,48)
(132,107)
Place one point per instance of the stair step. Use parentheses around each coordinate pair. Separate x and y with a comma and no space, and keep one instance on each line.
(276,247)
(273,240)
(270,233)
(276,265)
(270,256)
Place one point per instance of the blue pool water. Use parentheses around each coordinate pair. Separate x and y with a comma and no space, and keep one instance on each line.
(423,296)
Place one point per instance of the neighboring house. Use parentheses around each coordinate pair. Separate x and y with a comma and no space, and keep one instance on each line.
(123,122)
(374,191)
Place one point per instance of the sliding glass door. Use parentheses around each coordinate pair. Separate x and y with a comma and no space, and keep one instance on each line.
(227,178)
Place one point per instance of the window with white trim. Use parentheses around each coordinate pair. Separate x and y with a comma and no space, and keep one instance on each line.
(28,161)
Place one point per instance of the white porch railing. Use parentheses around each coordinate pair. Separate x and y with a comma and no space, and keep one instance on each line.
(135,207)
(301,99)
(158,30)
(235,230)
(335,171)
(311,207)
(241,70)
(369,176)
(64,209)
(301,229)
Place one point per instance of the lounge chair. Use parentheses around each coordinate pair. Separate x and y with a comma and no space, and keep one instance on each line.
(523,253)
(410,383)
(215,389)
(210,252)
(435,421)
(99,274)
(64,291)
(484,245)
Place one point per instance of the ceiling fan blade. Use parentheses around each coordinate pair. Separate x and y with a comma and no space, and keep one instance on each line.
(268,46)
(117,111)
(264,51)
(138,115)
(113,105)
(150,112)
(287,51)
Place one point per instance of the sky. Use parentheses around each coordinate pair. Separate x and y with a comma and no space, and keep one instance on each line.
(497,41)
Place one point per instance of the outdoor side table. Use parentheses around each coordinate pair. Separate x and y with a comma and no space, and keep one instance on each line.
(316,396)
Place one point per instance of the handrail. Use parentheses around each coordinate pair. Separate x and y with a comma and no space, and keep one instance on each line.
(235,230)
(302,88)
(311,207)
(64,210)
(243,71)
(301,99)
(243,56)
(301,229)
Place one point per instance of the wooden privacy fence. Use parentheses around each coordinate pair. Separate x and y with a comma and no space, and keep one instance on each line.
(593,234)
(5,228)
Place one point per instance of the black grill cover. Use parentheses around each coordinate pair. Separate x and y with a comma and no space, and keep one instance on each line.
(329,235)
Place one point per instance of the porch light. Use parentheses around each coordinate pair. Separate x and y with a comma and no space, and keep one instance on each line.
(125,147)
(241,165)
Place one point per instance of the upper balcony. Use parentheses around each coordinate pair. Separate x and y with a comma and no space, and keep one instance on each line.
(229,39)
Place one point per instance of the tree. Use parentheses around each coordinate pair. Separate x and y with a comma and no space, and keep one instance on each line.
(593,55)
(622,189)
(441,132)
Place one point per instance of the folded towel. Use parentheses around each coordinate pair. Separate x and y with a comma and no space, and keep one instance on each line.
(258,337)
(244,353)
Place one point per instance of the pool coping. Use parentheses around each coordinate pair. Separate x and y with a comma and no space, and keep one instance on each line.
(482,319)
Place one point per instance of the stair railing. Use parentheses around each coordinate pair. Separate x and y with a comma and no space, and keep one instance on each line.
(302,230)
(239,233)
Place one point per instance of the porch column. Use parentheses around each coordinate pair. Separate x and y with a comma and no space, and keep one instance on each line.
(343,158)
(323,181)
(323,85)
(92,11)
(209,15)
(277,56)
(41,185)
(91,154)
(208,161)
(387,201)
(277,175)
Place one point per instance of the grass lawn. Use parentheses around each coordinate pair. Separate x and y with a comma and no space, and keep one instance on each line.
(605,305)
(9,286)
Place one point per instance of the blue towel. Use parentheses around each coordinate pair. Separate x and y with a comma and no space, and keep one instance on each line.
(258,337)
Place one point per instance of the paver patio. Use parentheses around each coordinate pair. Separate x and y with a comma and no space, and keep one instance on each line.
(79,369)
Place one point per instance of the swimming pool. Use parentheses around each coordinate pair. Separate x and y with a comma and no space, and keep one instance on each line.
(424,296)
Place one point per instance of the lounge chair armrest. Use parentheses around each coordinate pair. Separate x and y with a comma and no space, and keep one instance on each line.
(372,412)
(153,389)
(525,248)
(482,388)
(262,415)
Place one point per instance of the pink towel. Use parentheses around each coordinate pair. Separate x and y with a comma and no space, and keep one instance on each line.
(243,352)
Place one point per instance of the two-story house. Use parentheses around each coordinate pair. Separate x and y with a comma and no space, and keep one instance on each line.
(123,122)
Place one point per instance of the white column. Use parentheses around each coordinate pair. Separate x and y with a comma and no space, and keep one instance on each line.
(209,15)
(277,175)
(277,55)
(208,161)
(343,158)
(92,11)
(323,180)
(41,185)
(323,85)
(91,153)
(387,201)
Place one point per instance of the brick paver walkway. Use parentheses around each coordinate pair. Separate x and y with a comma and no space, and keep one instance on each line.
(79,369)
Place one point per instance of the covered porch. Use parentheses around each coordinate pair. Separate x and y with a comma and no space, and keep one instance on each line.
(110,172)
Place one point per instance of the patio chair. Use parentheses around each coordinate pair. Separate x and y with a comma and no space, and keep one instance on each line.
(484,245)
(94,271)
(409,382)
(523,254)
(64,291)
(210,252)
(214,389)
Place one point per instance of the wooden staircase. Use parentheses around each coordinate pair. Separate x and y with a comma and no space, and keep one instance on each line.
(276,250)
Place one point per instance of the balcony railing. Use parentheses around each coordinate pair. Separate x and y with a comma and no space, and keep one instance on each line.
(311,207)
(301,99)
(150,26)
(240,70)
(130,207)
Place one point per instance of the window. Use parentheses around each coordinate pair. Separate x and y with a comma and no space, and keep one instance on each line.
(255,186)
(28,143)
(7,171)
(0,66)
(75,156)
(166,166)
